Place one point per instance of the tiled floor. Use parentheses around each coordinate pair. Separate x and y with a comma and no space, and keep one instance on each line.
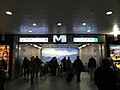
(49,82)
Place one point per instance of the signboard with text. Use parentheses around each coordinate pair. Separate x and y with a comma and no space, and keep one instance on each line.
(81,39)
(41,39)
(59,39)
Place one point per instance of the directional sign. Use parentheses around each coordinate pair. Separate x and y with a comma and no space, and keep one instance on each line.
(90,39)
(42,39)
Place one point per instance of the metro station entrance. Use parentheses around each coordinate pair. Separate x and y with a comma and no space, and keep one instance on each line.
(59,46)
(46,51)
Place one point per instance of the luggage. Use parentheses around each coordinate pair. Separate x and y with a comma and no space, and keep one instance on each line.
(69,77)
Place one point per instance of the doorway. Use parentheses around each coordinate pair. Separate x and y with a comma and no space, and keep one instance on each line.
(46,51)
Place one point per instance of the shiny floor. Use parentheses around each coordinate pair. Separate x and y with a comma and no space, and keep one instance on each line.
(49,82)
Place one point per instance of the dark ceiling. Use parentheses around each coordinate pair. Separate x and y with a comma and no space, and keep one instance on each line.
(47,13)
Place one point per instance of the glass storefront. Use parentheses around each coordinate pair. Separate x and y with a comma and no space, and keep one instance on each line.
(115,54)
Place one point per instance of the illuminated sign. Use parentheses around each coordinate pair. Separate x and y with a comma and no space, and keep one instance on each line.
(59,38)
(77,39)
(42,39)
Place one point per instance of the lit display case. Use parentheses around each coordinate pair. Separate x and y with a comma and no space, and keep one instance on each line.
(115,54)
(4,53)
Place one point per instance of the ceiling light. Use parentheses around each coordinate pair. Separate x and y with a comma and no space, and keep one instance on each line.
(83,24)
(115,30)
(8,13)
(35,45)
(88,30)
(34,24)
(30,31)
(39,47)
(59,24)
(109,12)
(79,47)
(84,45)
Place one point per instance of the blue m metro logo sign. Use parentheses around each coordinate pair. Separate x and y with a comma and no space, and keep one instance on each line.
(59,39)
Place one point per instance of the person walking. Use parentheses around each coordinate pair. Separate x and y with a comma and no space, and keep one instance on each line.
(105,78)
(92,67)
(54,65)
(69,65)
(3,66)
(78,67)
(63,63)
(38,62)
(26,67)
(32,67)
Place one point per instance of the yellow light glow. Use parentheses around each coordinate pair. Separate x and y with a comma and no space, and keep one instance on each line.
(115,30)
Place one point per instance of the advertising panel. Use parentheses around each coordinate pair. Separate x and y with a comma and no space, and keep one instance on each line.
(4,53)
(115,54)
(59,53)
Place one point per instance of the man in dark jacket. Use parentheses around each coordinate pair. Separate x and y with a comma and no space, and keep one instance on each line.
(63,63)
(38,62)
(54,65)
(32,68)
(26,67)
(105,77)
(78,67)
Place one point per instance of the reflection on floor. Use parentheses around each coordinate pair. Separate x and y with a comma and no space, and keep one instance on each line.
(49,82)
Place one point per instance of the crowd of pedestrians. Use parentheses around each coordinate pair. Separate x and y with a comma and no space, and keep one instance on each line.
(67,66)
(105,76)
(35,67)
(31,67)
